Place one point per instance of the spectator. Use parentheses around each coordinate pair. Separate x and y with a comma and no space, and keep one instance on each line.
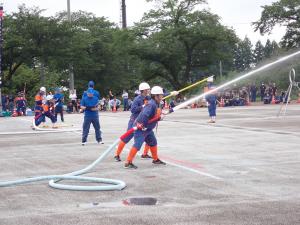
(115,103)
(78,104)
(11,103)
(102,103)
(110,94)
(73,98)
(125,100)
(253,91)
(129,103)
(267,98)
(4,100)
(172,104)
(70,107)
(274,89)
(262,91)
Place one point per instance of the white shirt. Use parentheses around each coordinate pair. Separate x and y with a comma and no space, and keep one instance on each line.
(125,95)
(73,97)
(113,102)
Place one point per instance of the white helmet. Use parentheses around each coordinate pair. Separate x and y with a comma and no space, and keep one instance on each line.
(49,97)
(43,89)
(157,90)
(144,86)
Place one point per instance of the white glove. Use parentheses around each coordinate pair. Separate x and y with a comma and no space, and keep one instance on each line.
(174,93)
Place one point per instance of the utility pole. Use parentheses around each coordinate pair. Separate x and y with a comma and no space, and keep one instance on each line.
(71,74)
(221,72)
(124,17)
(1,48)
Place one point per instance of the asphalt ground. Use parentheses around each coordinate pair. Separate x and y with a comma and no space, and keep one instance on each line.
(242,170)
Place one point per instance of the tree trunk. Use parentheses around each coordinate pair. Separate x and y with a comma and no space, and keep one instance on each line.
(12,70)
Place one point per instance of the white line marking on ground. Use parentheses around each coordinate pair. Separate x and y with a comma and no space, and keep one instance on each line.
(186,168)
(194,171)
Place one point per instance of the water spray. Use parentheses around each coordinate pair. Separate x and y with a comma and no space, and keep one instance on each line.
(192,100)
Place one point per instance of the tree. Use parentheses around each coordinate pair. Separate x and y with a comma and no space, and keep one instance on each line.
(285,13)
(31,39)
(177,42)
(268,50)
(243,59)
(258,53)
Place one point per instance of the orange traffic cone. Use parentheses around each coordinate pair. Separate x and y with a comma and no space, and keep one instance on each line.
(114,108)
(248,102)
(166,106)
(15,114)
(222,103)
(273,100)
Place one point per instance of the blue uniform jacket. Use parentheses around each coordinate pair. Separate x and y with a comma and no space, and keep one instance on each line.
(90,100)
(147,114)
(211,99)
(137,106)
(58,97)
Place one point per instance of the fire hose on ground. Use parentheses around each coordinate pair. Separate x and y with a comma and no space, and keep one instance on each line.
(111,184)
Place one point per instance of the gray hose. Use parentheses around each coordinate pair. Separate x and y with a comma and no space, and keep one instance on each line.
(54,179)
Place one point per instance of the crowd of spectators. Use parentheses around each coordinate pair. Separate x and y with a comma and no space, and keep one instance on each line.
(234,96)
(241,96)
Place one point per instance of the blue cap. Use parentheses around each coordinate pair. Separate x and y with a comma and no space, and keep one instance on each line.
(91,83)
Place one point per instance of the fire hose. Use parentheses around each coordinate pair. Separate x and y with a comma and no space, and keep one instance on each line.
(111,184)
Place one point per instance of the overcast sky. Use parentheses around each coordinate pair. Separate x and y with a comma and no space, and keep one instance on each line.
(234,13)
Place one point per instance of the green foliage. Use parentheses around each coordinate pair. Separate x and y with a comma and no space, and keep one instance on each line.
(179,43)
(243,57)
(258,53)
(283,12)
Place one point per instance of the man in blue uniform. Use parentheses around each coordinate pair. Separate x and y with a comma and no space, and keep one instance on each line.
(212,105)
(89,104)
(146,122)
(58,98)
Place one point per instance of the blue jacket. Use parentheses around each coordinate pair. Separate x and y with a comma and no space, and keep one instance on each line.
(149,112)
(58,97)
(90,100)
(137,105)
